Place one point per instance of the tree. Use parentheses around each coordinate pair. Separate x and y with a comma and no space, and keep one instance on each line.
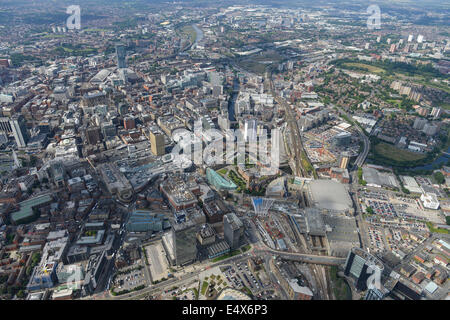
(369,210)
(21,294)
(439,177)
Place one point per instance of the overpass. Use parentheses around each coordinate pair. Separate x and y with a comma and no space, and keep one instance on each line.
(307,258)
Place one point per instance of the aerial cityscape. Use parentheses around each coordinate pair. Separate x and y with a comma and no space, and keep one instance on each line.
(232,150)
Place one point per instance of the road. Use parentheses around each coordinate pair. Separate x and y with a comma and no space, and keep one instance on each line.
(362,155)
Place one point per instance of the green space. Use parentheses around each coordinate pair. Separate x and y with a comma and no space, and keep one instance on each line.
(340,287)
(253,66)
(145,255)
(433,229)
(307,165)
(439,177)
(53,36)
(189,32)
(67,49)
(94,30)
(226,256)
(247,291)
(246,248)
(389,151)
(204,287)
(363,67)
(195,292)
(90,233)
(361,181)
(223,171)
(237,180)
(416,70)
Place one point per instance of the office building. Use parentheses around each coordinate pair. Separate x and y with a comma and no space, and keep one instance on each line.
(360,265)
(121,56)
(233,229)
(181,243)
(157,142)
(129,123)
(5,126)
(419,123)
(19,129)
(93,135)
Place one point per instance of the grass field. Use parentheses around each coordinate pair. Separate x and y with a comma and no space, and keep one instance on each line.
(433,229)
(391,152)
(223,171)
(204,286)
(364,67)
(226,256)
(340,287)
(189,32)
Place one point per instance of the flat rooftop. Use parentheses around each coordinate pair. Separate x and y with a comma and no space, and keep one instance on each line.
(330,195)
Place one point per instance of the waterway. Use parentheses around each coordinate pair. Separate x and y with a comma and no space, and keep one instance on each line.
(443,159)
(233,99)
(199,36)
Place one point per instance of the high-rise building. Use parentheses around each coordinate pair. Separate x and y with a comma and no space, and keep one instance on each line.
(19,129)
(183,241)
(360,265)
(419,38)
(108,130)
(5,126)
(121,55)
(233,229)
(436,112)
(129,123)
(392,49)
(157,142)
(430,129)
(410,38)
(419,123)
(93,135)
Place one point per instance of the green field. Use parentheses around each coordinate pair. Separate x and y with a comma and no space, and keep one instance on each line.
(223,171)
(364,67)
(189,32)
(389,151)
(204,286)
(340,287)
(433,229)
(226,256)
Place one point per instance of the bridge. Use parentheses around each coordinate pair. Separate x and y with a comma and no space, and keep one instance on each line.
(303,257)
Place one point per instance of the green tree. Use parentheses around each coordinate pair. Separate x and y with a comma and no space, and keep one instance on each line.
(439,177)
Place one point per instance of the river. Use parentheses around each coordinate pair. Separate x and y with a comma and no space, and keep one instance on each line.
(441,160)
(199,36)
(232,102)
